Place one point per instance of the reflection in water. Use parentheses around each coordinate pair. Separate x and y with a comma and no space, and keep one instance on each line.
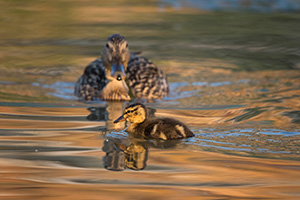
(109,113)
(136,155)
(42,154)
(119,156)
(114,158)
(97,114)
(294,115)
(113,110)
(131,153)
(249,113)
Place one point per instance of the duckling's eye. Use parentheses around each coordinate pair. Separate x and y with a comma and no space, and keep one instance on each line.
(135,113)
(127,112)
(127,45)
(107,46)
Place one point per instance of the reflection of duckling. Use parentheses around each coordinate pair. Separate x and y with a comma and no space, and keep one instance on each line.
(119,156)
(136,155)
(156,128)
(114,158)
(105,78)
(108,114)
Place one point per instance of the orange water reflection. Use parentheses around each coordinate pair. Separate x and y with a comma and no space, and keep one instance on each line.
(171,173)
(236,86)
(66,160)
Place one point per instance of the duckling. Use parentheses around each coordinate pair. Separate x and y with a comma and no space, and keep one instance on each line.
(153,128)
(107,78)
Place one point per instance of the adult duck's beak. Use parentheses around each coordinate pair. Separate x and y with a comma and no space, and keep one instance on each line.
(118,72)
(120,119)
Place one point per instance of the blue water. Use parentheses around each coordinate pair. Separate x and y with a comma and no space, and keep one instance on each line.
(263,6)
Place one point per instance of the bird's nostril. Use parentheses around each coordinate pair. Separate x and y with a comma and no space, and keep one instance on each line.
(119,77)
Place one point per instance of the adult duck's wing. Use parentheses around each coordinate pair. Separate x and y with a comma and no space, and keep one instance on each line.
(91,82)
(146,80)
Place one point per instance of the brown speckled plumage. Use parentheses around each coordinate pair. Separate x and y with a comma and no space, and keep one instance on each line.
(92,81)
(153,128)
(145,80)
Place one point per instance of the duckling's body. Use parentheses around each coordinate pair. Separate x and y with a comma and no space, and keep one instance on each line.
(163,128)
(105,78)
(153,128)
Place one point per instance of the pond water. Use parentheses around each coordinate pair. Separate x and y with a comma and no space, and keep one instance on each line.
(234,80)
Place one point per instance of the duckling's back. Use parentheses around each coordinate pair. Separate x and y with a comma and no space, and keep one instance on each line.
(164,128)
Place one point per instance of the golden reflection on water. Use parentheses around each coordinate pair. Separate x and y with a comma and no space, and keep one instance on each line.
(236,86)
(171,173)
(69,160)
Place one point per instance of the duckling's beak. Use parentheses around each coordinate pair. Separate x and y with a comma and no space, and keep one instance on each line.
(118,72)
(120,119)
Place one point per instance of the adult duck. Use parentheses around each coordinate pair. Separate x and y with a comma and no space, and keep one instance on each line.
(108,78)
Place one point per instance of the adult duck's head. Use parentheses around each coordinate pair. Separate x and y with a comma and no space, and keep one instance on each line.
(115,56)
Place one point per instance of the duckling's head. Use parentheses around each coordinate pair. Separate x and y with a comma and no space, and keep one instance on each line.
(135,113)
(115,56)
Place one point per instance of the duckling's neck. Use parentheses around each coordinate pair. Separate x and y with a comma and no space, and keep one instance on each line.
(133,127)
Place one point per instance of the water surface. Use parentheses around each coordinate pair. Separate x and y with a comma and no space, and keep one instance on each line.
(234,80)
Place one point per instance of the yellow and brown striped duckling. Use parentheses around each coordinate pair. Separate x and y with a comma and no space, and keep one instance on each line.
(105,78)
(153,128)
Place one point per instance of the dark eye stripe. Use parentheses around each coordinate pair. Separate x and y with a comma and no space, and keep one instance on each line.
(130,111)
